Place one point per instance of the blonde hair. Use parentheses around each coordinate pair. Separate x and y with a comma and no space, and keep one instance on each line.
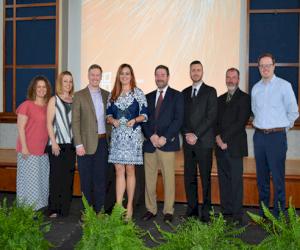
(59,80)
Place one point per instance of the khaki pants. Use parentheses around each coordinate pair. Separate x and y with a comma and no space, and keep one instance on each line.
(166,162)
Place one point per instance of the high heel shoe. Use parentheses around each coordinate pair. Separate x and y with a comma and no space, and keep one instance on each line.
(128,215)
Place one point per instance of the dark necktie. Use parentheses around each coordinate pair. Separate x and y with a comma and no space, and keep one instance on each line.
(194,93)
(158,104)
(228,99)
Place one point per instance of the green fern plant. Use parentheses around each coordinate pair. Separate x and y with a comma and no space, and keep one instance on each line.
(22,228)
(194,235)
(109,232)
(283,232)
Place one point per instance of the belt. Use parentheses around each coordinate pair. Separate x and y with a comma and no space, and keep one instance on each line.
(100,136)
(270,130)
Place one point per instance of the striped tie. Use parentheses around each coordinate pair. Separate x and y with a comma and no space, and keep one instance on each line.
(158,104)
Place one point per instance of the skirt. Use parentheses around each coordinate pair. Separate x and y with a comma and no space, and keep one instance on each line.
(33,180)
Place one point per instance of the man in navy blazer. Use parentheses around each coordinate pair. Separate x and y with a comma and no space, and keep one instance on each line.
(161,131)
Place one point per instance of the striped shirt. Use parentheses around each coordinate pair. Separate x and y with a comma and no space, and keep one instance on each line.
(62,122)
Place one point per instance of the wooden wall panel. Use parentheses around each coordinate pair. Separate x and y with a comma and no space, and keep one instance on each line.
(8,180)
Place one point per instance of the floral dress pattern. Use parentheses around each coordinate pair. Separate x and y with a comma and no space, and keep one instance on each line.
(126,145)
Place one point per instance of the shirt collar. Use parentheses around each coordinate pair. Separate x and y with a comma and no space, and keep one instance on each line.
(228,93)
(163,90)
(93,91)
(197,85)
(270,81)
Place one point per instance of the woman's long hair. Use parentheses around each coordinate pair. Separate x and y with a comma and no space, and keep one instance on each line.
(59,83)
(31,91)
(118,85)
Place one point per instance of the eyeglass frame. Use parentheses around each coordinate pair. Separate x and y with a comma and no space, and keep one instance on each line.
(267,66)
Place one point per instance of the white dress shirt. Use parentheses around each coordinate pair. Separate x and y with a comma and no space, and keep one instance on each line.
(196,86)
(164,90)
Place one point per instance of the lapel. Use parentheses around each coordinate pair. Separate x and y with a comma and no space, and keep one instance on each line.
(90,100)
(151,103)
(165,102)
(201,91)
(104,98)
(233,98)
(189,92)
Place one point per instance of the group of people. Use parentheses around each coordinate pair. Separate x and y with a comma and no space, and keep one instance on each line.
(129,129)
(45,152)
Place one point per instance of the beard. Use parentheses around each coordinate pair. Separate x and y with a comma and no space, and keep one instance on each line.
(196,78)
(231,87)
(161,84)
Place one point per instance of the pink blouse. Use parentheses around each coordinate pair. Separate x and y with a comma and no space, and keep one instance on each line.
(36,128)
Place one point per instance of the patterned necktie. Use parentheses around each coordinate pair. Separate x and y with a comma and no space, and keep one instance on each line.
(228,99)
(158,104)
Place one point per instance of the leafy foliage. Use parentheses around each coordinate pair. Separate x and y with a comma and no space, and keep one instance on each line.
(193,234)
(284,232)
(22,228)
(109,232)
(113,233)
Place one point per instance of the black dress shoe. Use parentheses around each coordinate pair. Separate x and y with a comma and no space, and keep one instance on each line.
(148,215)
(205,219)
(168,217)
(192,215)
(238,221)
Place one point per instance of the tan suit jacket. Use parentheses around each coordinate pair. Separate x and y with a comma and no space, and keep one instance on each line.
(84,120)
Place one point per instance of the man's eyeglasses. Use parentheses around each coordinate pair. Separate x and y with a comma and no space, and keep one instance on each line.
(265,66)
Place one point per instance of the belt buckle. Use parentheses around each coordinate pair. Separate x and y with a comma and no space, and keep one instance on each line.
(267,131)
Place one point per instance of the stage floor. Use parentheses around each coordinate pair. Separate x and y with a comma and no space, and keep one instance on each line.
(66,232)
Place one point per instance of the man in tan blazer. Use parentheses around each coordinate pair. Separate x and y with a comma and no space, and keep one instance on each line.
(91,133)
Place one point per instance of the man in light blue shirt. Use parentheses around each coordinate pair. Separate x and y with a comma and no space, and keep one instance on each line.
(275,110)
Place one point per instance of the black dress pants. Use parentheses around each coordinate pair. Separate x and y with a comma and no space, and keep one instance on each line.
(230,173)
(61,179)
(201,157)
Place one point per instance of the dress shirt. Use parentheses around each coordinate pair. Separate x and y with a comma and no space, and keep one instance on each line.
(164,90)
(196,86)
(99,109)
(230,95)
(274,104)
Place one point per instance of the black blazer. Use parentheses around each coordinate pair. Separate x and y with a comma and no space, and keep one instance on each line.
(232,119)
(168,123)
(200,114)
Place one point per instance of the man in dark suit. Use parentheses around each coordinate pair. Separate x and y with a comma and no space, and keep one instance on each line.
(91,133)
(234,110)
(161,131)
(200,113)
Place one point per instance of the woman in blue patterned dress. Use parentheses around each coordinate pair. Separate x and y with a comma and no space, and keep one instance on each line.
(126,110)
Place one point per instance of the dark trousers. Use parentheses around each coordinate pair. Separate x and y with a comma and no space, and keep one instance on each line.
(92,172)
(61,179)
(203,158)
(230,173)
(270,155)
(110,193)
